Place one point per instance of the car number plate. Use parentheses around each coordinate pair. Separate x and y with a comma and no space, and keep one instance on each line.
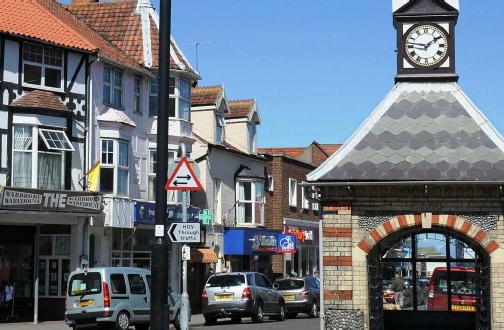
(464,308)
(224,296)
(289,297)
(86,303)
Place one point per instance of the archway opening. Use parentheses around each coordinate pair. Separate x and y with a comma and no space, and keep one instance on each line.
(435,278)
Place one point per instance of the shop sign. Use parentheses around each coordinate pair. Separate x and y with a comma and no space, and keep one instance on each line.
(146,212)
(301,235)
(50,200)
(286,243)
(264,243)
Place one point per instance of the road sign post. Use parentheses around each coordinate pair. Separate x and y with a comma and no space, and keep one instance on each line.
(184,178)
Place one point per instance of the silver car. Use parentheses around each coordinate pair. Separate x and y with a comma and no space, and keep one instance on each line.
(301,295)
(241,294)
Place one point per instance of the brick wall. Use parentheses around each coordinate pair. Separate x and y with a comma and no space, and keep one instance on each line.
(346,244)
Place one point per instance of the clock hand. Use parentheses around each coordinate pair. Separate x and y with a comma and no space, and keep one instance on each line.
(432,41)
(423,46)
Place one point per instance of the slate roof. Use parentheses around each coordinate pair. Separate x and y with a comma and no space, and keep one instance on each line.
(121,23)
(420,132)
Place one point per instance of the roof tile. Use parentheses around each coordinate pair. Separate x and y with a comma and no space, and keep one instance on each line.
(38,99)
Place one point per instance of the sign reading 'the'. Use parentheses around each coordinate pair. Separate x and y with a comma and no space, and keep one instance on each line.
(185,232)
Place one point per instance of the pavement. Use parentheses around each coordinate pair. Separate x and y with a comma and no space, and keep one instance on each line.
(196,320)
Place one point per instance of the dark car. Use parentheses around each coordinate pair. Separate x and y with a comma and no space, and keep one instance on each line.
(301,295)
(241,294)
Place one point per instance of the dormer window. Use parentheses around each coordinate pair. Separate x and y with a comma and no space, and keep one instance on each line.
(219,128)
(42,66)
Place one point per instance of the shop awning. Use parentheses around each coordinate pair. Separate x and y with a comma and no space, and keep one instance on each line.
(203,255)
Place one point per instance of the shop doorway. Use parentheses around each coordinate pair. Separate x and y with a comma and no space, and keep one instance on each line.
(446,277)
(16,272)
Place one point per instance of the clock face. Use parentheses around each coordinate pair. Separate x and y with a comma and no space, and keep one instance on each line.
(426,45)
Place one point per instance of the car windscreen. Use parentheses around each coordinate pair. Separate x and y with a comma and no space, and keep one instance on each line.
(85,283)
(462,282)
(226,280)
(290,284)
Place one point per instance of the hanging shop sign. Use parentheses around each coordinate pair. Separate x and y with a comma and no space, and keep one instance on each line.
(286,243)
(50,200)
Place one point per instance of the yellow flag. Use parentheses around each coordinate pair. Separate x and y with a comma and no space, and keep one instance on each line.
(93,177)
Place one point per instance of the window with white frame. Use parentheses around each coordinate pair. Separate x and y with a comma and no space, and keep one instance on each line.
(38,157)
(220,123)
(250,207)
(114,169)
(292,192)
(152,175)
(270,183)
(305,202)
(112,86)
(42,66)
(137,99)
(184,109)
(154,95)
(251,137)
(315,195)
(217,210)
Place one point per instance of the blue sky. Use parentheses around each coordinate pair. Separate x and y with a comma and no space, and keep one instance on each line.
(318,68)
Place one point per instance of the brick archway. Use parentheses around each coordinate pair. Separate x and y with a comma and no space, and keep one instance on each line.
(438,220)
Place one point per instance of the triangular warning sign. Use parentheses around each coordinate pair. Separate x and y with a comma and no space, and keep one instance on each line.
(183,177)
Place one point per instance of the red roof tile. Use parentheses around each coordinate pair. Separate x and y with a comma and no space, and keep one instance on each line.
(120,23)
(207,95)
(44,20)
(38,99)
(49,21)
(239,108)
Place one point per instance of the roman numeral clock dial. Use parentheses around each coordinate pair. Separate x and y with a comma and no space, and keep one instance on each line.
(426,45)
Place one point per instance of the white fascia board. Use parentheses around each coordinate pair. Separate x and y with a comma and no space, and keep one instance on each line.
(398,4)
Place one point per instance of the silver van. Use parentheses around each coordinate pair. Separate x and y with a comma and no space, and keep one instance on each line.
(109,296)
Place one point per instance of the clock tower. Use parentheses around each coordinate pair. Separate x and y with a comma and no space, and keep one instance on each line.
(425,39)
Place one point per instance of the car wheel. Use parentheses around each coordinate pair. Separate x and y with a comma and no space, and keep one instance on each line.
(313,310)
(281,312)
(122,321)
(210,320)
(142,326)
(176,321)
(291,315)
(259,314)
(236,319)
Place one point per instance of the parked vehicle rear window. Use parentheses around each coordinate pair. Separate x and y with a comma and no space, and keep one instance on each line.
(461,282)
(85,283)
(226,280)
(290,284)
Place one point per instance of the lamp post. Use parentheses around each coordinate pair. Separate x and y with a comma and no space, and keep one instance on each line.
(159,320)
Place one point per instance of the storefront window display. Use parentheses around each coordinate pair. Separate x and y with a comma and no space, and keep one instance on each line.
(54,265)
(131,247)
